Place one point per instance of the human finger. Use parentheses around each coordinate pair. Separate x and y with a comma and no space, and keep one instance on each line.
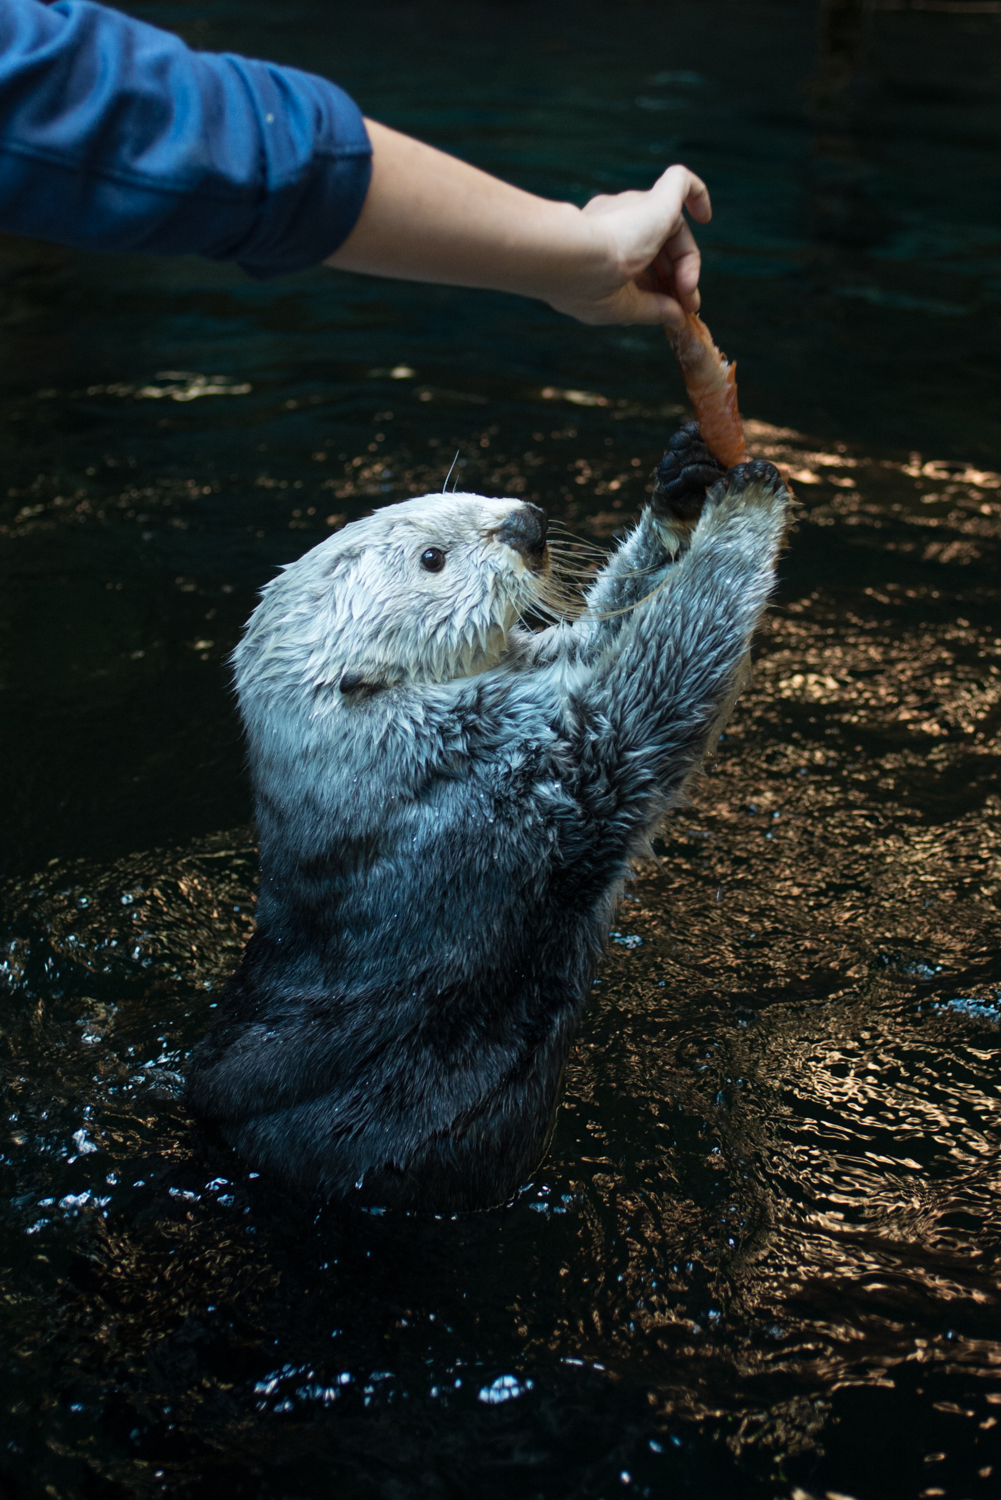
(632,303)
(680,187)
(698,202)
(660,307)
(678,265)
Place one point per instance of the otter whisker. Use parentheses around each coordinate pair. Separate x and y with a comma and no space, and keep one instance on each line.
(579,555)
(565,529)
(590,575)
(586,575)
(585,568)
(563,558)
(550,598)
(585,543)
(555,590)
(560,581)
(564,607)
(576,552)
(444,488)
(610,614)
(574,559)
(557,614)
(576,549)
(574,542)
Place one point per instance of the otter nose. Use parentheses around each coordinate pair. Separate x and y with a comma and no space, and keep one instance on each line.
(525,529)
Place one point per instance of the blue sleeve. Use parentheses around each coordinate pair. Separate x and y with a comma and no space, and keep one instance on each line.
(117,136)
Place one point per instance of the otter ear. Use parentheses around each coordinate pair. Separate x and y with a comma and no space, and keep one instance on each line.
(353,682)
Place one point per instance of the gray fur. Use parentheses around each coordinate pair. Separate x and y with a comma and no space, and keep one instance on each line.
(441,847)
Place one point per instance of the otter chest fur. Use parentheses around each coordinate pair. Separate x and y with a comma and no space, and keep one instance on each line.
(446,806)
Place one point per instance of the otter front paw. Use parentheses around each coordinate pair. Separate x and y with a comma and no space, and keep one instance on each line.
(757,475)
(683,476)
(752,496)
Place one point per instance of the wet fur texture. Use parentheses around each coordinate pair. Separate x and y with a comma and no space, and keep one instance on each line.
(442,839)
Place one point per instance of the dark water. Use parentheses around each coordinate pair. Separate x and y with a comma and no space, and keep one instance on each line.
(762,1257)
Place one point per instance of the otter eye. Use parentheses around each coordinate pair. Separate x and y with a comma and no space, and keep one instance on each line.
(433,560)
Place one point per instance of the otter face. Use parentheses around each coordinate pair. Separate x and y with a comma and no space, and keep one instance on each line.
(424,591)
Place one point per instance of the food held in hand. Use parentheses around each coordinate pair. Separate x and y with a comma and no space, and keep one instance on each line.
(711,382)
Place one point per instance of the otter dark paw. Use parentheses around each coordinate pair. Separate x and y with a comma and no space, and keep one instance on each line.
(758,472)
(683,476)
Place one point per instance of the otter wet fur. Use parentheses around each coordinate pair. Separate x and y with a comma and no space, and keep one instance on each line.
(447,804)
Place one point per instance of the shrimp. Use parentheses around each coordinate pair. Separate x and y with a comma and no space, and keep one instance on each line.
(711,383)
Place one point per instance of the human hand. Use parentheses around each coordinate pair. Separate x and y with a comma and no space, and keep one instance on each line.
(623,258)
(645,266)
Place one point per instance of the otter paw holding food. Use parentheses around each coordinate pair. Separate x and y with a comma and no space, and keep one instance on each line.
(683,476)
(446,806)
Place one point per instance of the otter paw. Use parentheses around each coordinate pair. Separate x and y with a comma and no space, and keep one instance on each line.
(758,474)
(683,476)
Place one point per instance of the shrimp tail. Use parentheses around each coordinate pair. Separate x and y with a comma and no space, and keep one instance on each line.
(711,382)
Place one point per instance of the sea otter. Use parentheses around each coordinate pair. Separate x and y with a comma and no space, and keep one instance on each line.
(447,804)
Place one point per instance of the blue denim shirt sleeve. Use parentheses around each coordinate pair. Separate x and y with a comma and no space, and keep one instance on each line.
(115,135)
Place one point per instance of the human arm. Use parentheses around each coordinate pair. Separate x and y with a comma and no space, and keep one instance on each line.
(431,217)
(115,135)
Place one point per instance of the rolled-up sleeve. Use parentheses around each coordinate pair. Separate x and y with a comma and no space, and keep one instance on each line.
(115,135)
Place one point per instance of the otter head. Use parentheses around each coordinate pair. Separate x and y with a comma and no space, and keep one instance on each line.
(424,591)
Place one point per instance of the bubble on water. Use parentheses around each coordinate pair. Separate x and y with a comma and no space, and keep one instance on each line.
(981,1010)
(73,1202)
(504,1388)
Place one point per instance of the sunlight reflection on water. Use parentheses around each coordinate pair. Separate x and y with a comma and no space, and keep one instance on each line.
(775,1176)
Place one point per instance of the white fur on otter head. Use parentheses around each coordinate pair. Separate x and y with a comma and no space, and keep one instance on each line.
(363,610)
